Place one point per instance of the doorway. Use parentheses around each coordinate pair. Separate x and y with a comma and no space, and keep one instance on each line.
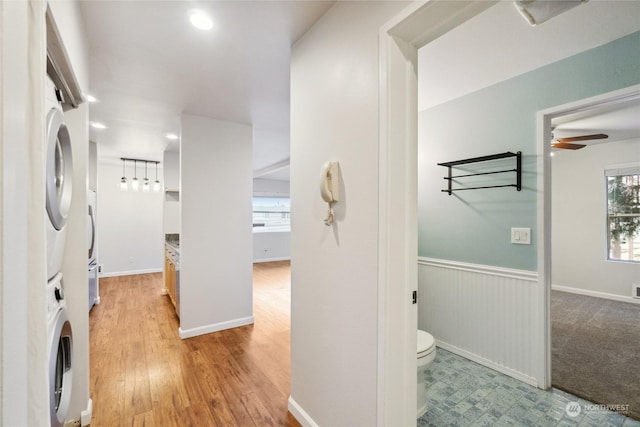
(397,112)
(592,318)
(400,39)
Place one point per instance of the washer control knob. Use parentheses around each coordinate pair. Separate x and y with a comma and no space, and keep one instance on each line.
(59,294)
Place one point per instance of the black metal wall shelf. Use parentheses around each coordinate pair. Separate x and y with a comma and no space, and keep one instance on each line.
(508,154)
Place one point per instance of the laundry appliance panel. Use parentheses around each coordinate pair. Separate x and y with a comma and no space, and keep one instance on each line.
(58,174)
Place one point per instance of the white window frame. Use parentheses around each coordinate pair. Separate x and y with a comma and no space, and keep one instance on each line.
(611,171)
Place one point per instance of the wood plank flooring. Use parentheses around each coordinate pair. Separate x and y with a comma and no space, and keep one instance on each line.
(143,374)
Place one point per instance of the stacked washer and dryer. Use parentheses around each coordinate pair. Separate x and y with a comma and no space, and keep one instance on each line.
(58,172)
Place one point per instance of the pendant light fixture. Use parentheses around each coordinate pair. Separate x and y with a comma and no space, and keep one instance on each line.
(145,183)
(135,184)
(156,184)
(123,180)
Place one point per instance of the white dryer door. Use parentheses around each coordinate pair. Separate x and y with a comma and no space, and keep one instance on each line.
(60,368)
(59,169)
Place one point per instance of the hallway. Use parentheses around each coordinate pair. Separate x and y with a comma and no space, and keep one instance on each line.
(142,373)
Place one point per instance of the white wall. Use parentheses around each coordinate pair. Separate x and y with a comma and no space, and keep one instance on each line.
(579,242)
(171,174)
(130,234)
(449,76)
(92,181)
(334,270)
(271,246)
(215,240)
(24,369)
(270,187)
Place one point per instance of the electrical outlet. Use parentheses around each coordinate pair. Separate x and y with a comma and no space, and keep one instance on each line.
(100,268)
(636,291)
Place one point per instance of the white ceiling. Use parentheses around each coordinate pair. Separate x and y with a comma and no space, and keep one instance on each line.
(469,58)
(499,44)
(148,65)
(620,121)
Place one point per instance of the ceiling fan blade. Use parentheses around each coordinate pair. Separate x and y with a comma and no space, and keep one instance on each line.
(583,138)
(567,145)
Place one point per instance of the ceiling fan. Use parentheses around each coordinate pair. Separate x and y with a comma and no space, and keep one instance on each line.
(568,143)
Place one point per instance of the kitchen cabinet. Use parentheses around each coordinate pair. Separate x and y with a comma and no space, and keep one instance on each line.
(170,275)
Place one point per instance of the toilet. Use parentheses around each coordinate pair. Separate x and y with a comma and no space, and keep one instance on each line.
(426,354)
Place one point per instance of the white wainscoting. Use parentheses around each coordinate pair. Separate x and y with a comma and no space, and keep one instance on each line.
(484,313)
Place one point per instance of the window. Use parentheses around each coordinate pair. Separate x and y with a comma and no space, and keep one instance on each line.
(623,213)
(271,214)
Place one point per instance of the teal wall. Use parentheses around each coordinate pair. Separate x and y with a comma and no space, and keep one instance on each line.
(474,226)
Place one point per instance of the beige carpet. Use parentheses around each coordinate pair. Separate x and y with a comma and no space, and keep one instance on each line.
(596,349)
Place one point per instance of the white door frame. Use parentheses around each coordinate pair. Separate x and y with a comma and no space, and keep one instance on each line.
(544,117)
(418,24)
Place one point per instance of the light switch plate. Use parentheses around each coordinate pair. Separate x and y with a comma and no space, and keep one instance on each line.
(521,236)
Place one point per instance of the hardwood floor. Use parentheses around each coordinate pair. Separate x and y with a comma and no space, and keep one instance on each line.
(143,374)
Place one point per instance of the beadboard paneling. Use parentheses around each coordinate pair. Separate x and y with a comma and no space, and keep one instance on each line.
(481,312)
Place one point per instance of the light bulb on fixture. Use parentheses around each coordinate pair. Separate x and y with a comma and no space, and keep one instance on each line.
(156,184)
(145,183)
(135,184)
(123,180)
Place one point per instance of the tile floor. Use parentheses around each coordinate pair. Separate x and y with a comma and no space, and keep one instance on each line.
(464,393)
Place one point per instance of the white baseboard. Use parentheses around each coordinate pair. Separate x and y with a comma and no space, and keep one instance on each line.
(303,418)
(488,363)
(132,272)
(207,329)
(85,416)
(595,294)
(257,261)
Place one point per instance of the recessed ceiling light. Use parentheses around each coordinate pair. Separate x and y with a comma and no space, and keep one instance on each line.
(92,98)
(98,125)
(171,136)
(200,20)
